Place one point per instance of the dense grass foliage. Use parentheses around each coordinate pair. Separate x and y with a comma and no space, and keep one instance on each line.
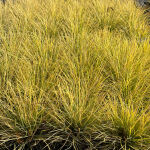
(74,74)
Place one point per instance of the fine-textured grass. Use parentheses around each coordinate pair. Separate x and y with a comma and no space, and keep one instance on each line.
(74,74)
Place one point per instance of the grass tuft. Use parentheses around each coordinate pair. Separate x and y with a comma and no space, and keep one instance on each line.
(74,75)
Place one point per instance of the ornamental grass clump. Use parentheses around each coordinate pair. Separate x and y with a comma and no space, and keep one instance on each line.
(130,124)
(74,75)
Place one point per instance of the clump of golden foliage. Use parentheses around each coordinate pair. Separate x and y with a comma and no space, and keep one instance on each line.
(74,74)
